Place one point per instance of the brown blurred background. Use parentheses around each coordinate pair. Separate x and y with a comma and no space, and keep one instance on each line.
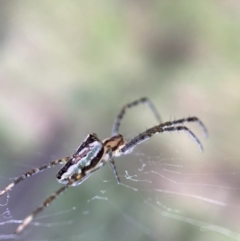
(66,69)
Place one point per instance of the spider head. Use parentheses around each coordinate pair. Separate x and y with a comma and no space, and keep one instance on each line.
(86,158)
(114,143)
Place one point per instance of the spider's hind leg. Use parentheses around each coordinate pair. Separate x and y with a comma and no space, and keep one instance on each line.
(33,172)
(143,100)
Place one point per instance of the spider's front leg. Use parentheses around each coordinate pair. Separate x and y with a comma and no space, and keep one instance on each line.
(162,128)
(182,121)
(143,100)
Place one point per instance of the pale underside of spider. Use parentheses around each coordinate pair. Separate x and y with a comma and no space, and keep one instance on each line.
(93,153)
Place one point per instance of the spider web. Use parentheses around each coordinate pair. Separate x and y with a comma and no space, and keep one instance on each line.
(160,198)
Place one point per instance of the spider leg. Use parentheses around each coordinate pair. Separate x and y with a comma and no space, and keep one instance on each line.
(47,202)
(187,120)
(33,172)
(113,166)
(144,100)
(156,130)
(74,179)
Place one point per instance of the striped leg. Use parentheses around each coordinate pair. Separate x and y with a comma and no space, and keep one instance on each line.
(29,218)
(33,172)
(143,100)
(156,130)
(186,120)
(76,178)
(113,166)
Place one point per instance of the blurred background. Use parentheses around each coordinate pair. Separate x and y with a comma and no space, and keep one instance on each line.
(66,69)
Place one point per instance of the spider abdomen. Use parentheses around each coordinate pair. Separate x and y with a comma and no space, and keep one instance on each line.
(86,157)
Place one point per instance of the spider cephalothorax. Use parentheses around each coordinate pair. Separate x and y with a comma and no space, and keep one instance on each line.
(93,153)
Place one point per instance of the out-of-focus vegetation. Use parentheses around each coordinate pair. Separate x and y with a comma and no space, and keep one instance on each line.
(67,67)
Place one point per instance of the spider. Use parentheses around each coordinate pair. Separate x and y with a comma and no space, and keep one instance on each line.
(93,153)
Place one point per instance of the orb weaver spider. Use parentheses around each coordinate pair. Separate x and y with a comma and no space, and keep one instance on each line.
(93,153)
